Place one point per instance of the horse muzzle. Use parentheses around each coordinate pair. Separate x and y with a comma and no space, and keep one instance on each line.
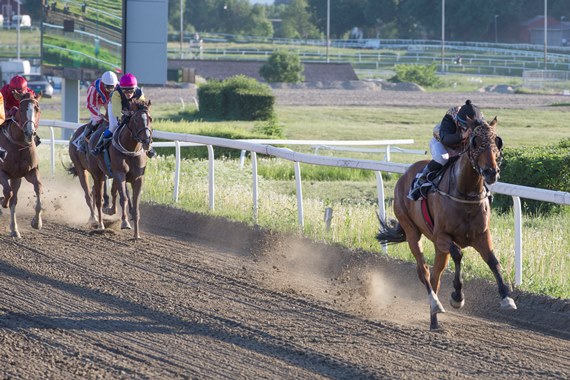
(491,175)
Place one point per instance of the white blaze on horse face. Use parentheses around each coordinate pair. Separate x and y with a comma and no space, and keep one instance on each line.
(30,117)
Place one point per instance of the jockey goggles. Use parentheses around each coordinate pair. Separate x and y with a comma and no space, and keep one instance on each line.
(462,123)
(128,90)
(109,87)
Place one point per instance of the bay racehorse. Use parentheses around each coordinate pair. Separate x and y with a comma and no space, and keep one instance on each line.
(456,215)
(17,137)
(80,168)
(127,154)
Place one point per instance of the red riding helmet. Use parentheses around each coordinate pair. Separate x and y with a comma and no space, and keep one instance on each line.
(18,83)
(128,80)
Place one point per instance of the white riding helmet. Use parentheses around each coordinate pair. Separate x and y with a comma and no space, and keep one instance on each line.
(109,78)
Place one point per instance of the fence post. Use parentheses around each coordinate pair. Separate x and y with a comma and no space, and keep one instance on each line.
(255,186)
(176,171)
(211,177)
(518,240)
(300,215)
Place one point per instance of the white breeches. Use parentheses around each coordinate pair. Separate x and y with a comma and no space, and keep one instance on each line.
(438,151)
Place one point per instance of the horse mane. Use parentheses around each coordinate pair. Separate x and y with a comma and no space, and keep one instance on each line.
(139,104)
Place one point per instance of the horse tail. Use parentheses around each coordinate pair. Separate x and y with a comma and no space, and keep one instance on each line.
(70,170)
(390,234)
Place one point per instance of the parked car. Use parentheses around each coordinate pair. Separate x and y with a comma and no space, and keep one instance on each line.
(39,83)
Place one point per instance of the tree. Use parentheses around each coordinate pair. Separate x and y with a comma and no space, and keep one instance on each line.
(296,21)
(282,66)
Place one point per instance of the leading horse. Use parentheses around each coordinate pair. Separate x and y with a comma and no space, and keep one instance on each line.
(17,137)
(460,216)
(127,155)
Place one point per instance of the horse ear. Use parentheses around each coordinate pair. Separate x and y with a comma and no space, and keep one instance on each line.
(473,142)
(494,122)
(499,142)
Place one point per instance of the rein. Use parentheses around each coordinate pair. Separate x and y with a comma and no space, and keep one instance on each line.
(477,199)
(6,132)
(116,142)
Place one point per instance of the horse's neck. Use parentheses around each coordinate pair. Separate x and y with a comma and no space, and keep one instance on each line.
(126,139)
(467,180)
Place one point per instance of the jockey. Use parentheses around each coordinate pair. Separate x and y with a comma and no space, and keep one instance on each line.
(3,152)
(98,96)
(12,93)
(127,92)
(446,135)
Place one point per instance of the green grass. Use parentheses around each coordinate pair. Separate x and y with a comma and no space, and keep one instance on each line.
(352,193)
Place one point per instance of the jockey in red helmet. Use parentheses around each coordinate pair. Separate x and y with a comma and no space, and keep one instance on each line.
(127,92)
(12,93)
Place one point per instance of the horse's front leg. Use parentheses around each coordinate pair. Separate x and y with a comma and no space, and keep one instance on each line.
(413,238)
(457,299)
(440,262)
(135,211)
(98,200)
(484,247)
(33,177)
(7,189)
(111,208)
(15,185)
(122,185)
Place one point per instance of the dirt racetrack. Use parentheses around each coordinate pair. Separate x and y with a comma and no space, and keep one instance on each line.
(204,298)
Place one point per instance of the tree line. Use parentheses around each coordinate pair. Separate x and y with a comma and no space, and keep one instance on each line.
(466,20)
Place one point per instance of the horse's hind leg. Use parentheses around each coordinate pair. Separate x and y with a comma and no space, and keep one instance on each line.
(33,177)
(14,230)
(7,189)
(457,299)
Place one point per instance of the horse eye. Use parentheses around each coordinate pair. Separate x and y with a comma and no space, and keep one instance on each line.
(499,142)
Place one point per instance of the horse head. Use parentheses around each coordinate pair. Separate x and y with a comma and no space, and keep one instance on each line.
(485,150)
(29,116)
(140,123)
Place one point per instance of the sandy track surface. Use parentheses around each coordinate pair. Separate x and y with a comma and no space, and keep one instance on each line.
(368,97)
(200,298)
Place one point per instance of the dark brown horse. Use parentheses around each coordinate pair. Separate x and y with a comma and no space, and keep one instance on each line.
(460,211)
(80,168)
(127,163)
(17,137)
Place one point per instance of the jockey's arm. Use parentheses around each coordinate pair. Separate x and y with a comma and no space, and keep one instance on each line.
(114,111)
(93,107)
(449,134)
(2,112)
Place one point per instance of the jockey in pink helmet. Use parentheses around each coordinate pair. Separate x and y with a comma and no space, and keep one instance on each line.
(98,97)
(121,98)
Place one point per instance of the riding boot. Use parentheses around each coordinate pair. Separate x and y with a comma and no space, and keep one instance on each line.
(422,183)
(83,138)
(3,154)
(102,142)
(37,139)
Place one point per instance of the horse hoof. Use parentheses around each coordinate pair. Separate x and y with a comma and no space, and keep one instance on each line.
(125,225)
(37,224)
(16,234)
(507,303)
(456,304)
(109,211)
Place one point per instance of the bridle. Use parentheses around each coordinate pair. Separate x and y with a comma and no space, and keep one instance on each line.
(29,122)
(486,136)
(144,115)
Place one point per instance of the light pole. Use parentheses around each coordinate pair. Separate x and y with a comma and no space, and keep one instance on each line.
(181,29)
(442,35)
(18,31)
(496,37)
(328,27)
(545,33)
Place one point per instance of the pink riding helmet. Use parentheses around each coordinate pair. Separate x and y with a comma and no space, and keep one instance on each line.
(128,80)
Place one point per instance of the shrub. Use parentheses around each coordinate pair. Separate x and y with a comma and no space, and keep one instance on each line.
(420,74)
(541,167)
(236,98)
(282,66)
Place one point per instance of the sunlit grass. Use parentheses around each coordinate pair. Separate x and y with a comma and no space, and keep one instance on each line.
(546,260)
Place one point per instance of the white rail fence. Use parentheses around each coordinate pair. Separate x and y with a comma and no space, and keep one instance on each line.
(263,147)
